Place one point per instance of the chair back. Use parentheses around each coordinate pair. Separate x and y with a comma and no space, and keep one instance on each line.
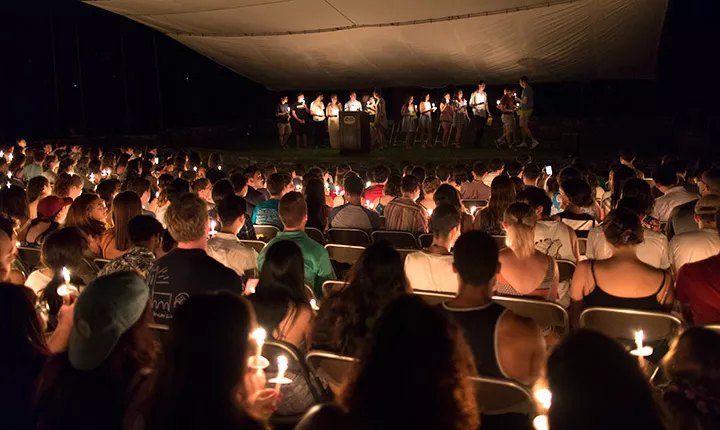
(425,240)
(315,234)
(582,244)
(432,298)
(502,396)
(87,271)
(714,327)
(500,240)
(383,222)
(257,245)
(309,292)
(331,367)
(404,253)
(623,323)
(100,263)
(29,257)
(348,236)
(266,233)
(398,239)
(296,364)
(566,269)
(344,253)
(329,287)
(479,204)
(545,313)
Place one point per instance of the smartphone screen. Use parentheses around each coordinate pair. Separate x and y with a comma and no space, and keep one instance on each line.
(548,170)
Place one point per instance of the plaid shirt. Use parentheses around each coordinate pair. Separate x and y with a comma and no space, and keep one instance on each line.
(403,214)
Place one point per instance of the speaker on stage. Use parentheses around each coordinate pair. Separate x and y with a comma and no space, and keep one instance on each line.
(354,132)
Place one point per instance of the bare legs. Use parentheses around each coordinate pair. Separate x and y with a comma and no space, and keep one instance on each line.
(446,126)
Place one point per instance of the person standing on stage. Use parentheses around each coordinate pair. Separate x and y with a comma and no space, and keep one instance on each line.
(317,110)
(425,121)
(282,115)
(478,103)
(300,117)
(460,116)
(409,117)
(333,115)
(507,107)
(353,105)
(446,117)
(380,118)
(527,103)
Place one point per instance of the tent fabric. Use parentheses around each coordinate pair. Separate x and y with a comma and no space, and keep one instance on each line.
(318,44)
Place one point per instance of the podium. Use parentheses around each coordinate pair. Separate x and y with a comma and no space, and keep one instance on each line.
(354,132)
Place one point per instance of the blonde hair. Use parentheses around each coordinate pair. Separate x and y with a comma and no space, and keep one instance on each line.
(187,218)
(521,220)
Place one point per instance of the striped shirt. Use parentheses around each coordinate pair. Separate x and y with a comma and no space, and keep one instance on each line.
(403,214)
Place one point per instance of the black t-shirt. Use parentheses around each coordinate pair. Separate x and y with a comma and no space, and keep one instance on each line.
(183,272)
(283,108)
(254,197)
(302,111)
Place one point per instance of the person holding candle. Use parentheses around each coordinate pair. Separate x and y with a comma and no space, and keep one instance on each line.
(88,213)
(146,237)
(507,110)
(380,121)
(300,120)
(266,212)
(476,189)
(460,116)
(374,190)
(409,119)
(52,211)
(478,103)
(333,115)
(425,121)
(527,104)
(318,210)
(429,185)
(490,218)
(282,116)
(317,110)
(446,118)
(390,191)
(37,189)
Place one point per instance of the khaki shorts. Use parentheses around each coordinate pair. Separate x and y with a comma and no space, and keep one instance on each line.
(284,128)
(525,115)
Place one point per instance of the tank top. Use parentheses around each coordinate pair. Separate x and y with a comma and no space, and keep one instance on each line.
(503,287)
(599,298)
(479,325)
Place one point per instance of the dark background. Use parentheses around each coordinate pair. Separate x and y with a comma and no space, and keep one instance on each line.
(72,69)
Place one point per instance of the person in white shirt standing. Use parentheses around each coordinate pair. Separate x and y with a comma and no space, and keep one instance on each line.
(225,247)
(431,269)
(700,244)
(478,103)
(666,180)
(317,110)
(353,105)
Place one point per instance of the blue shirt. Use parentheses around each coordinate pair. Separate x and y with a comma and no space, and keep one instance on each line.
(266,213)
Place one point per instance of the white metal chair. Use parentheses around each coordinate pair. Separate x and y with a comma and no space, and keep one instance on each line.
(432,298)
(348,236)
(582,244)
(266,233)
(398,239)
(715,327)
(331,367)
(500,240)
(566,269)
(347,254)
(329,287)
(502,396)
(257,245)
(310,292)
(544,313)
(315,234)
(623,323)
(100,262)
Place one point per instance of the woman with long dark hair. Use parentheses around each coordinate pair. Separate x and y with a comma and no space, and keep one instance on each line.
(447,194)
(37,188)
(460,116)
(502,194)
(14,203)
(425,121)
(116,240)
(88,213)
(52,211)
(318,211)
(409,120)
(391,190)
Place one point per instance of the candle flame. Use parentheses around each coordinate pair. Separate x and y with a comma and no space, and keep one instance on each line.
(282,363)
(473,209)
(313,305)
(639,337)
(219,167)
(259,335)
(544,397)
(540,422)
(195,168)
(66,275)
(368,184)
(429,211)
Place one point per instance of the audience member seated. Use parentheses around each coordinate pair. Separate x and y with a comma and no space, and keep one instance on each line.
(266,212)
(698,244)
(68,185)
(640,191)
(476,189)
(402,213)
(145,233)
(293,213)
(254,181)
(525,271)
(318,210)
(225,247)
(353,214)
(37,189)
(282,308)
(576,202)
(682,217)
(429,185)
(346,316)
(141,187)
(88,213)
(8,252)
(552,236)
(490,218)
(14,203)
(224,188)
(62,248)
(34,168)
(621,281)
(447,194)
(379,177)
(619,176)
(531,175)
(391,191)
(504,344)
(187,269)
(107,190)
(431,269)
(436,391)
(111,353)
(620,396)
(666,180)
(653,250)
(203,188)
(692,367)
(698,290)
(494,169)
(116,240)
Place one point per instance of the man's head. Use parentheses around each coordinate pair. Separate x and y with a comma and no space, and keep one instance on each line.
(353,95)
(142,187)
(524,81)
(538,199)
(221,190)
(300,97)
(479,170)
(203,188)
(231,211)
(706,210)
(443,172)
(665,177)
(146,231)
(481,86)
(627,157)
(496,166)
(187,219)
(293,211)
(380,174)
(709,182)
(410,187)
(530,175)
(39,157)
(575,192)
(353,186)
(319,97)
(513,168)
(254,176)
(445,224)
(475,260)
(276,184)
(284,99)
(67,185)
(239,182)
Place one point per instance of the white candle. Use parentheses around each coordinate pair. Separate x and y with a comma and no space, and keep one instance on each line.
(195,168)
(313,305)
(367,203)
(259,336)
(497,102)
(282,363)
(515,94)
(640,350)
(298,187)
(157,160)
(66,288)
(544,397)
(213,223)
(92,177)
(540,422)
(2,153)
(368,184)
(473,209)
(433,105)
(10,157)
(157,194)
(219,167)
(517,104)
(9,175)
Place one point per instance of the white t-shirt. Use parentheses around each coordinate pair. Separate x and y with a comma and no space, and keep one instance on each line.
(431,272)
(553,238)
(693,246)
(475,99)
(227,249)
(37,280)
(653,250)
(674,197)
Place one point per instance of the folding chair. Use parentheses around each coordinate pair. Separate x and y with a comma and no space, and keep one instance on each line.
(348,236)
(544,313)
(266,232)
(582,244)
(296,364)
(383,222)
(500,240)
(714,327)
(566,269)
(29,257)
(257,245)
(329,287)
(398,239)
(315,234)
(623,323)
(347,254)
(87,271)
(100,263)
(432,298)
(331,367)
(425,240)
(404,253)
(502,396)
(478,204)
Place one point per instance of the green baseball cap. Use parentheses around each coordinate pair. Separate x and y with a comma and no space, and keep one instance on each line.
(106,309)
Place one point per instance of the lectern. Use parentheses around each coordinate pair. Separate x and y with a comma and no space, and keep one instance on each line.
(354,132)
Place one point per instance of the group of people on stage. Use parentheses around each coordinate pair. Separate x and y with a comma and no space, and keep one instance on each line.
(455,114)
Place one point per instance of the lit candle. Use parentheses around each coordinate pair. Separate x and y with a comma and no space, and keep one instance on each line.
(2,153)
(157,160)
(515,94)
(219,167)
(473,209)
(368,184)
(212,228)
(497,102)
(282,363)
(544,397)
(313,305)
(259,336)
(517,104)
(10,157)
(367,203)
(157,194)
(195,168)
(92,177)
(66,288)
(298,187)
(433,105)
(540,422)
(640,350)
(429,212)
(9,175)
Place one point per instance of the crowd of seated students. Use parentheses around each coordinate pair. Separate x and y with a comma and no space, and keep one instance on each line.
(173,230)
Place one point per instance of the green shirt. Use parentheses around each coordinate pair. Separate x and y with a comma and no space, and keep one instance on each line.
(318,268)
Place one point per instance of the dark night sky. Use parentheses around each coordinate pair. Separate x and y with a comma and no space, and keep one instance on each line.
(111,85)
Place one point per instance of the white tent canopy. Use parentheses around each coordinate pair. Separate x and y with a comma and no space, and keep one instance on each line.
(313,44)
